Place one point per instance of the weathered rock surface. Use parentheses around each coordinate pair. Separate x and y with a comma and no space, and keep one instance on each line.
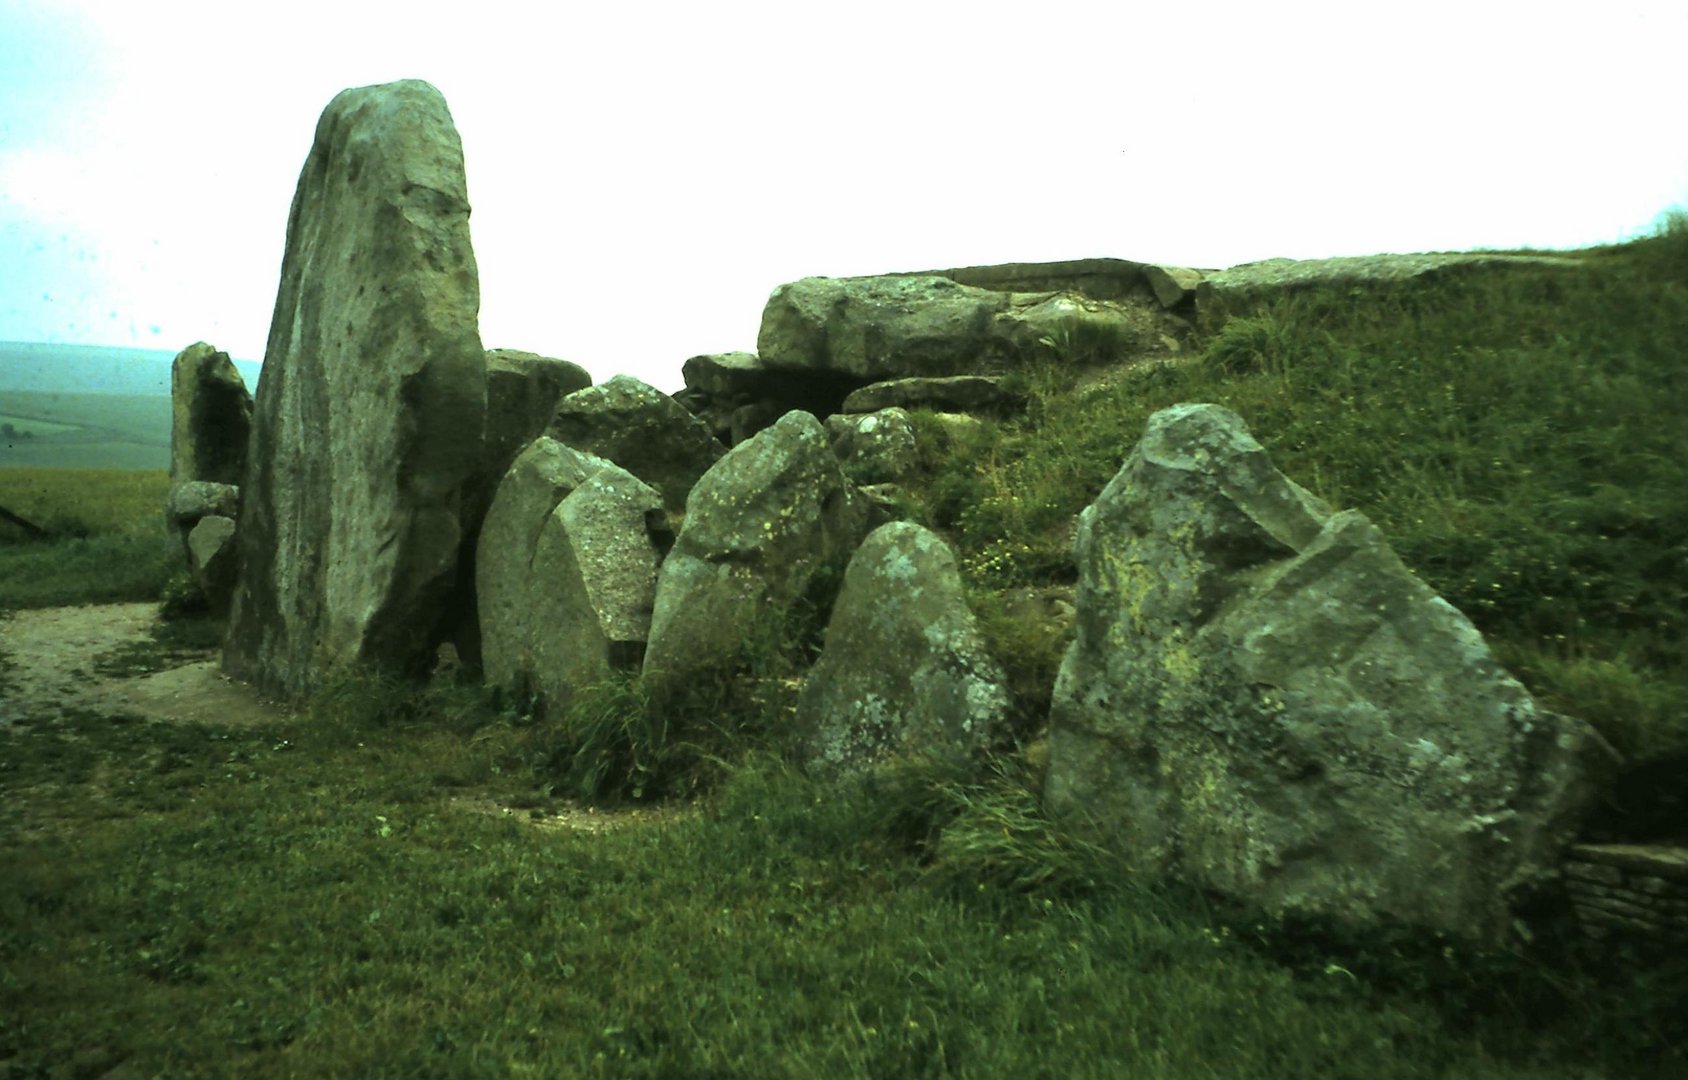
(882,327)
(641,429)
(1225,294)
(522,391)
(876,447)
(905,325)
(1630,890)
(769,526)
(369,419)
(904,669)
(950,393)
(566,573)
(212,559)
(211,417)
(1263,701)
(737,394)
(189,501)
(1173,285)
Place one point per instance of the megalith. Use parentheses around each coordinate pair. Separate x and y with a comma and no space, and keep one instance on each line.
(522,391)
(566,573)
(1263,701)
(904,669)
(210,417)
(876,447)
(883,327)
(641,429)
(369,419)
(770,526)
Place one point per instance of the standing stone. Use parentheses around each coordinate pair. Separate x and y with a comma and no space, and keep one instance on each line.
(774,520)
(904,668)
(522,391)
(641,429)
(566,573)
(211,417)
(1262,700)
(369,417)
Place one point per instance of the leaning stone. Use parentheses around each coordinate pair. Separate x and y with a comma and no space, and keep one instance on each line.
(1263,701)
(566,574)
(876,448)
(768,528)
(369,418)
(641,429)
(953,393)
(904,670)
(213,559)
(211,417)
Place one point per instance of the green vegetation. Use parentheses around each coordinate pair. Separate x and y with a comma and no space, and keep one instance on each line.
(1520,436)
(331,895)
(68,430)
(325,897)
(106,538)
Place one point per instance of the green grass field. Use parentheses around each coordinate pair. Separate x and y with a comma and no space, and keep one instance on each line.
(325,896)
(108,537)
(85,431)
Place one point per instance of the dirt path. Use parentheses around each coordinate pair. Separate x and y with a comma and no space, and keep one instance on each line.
(54,654)
(52,660)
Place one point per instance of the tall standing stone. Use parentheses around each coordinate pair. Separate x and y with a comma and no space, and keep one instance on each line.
(368,422)
(211,417)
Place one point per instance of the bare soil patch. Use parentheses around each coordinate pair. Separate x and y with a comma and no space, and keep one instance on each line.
(54,667)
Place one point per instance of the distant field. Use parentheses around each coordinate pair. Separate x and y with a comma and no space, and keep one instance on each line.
(85,431)
(87,407)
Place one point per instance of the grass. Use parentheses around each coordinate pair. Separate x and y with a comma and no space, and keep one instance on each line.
(308,899)
(106,544)
(327,895)
(1518,435)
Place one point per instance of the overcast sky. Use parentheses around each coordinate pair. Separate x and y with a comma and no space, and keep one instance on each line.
(643,175)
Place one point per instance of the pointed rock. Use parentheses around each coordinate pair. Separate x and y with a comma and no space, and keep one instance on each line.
(566,573)
(1262,700)
(772,522)
(904,669)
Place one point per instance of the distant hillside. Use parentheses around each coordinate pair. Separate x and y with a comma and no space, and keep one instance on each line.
(92,369)
(87,407)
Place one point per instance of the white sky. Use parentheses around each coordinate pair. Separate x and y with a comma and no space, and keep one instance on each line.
(643,175)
